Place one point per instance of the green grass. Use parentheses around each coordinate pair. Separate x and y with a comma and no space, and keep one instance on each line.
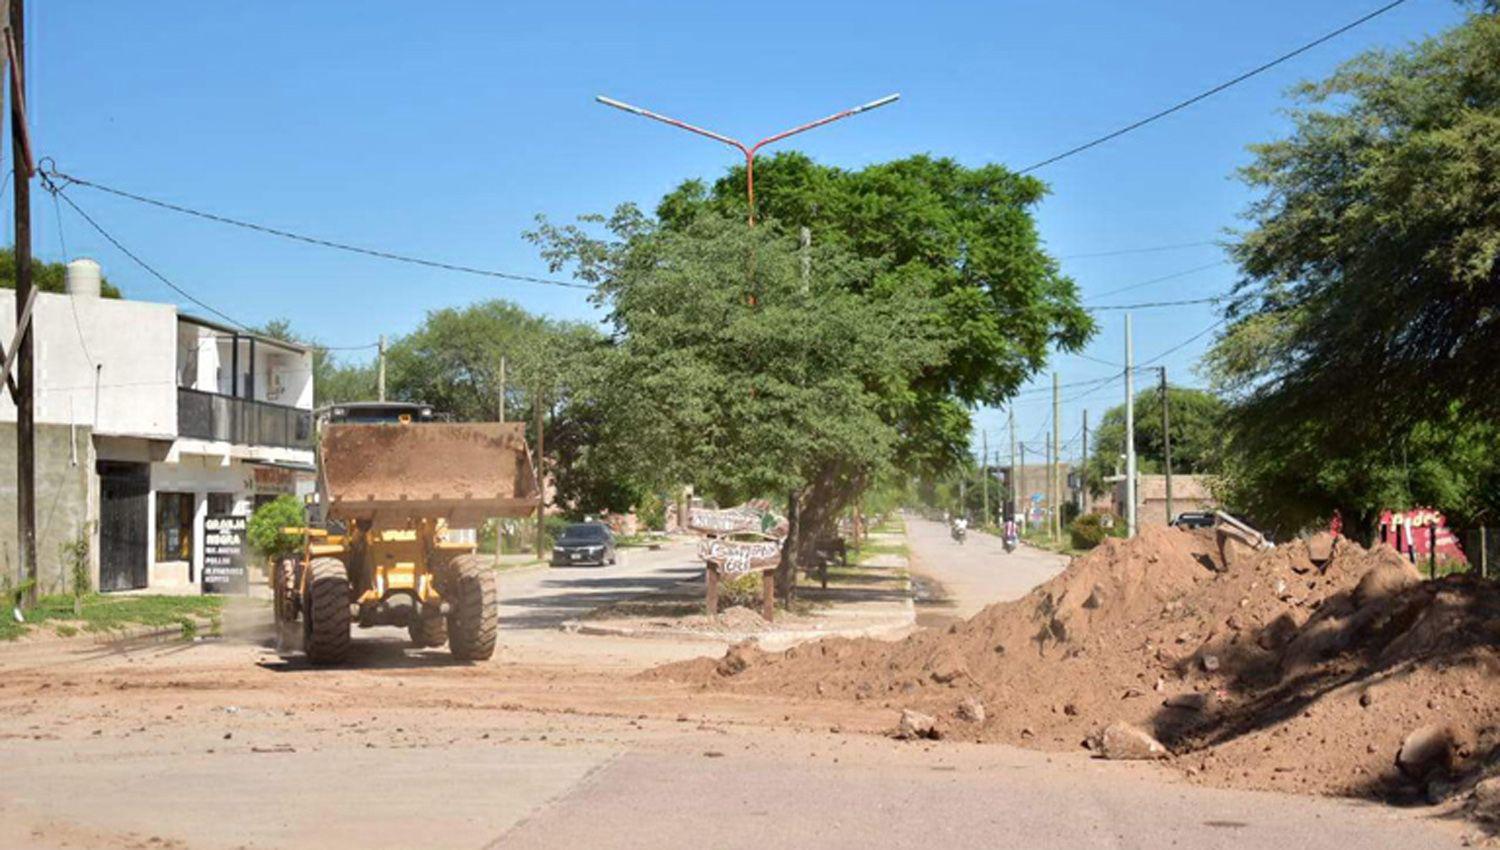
(107,613)
(892,525)
(872,550)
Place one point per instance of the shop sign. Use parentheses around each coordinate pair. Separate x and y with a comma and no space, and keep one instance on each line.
(274,479)
(737,557)
(224,567)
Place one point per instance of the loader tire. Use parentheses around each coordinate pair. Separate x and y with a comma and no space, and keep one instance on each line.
(474,613)
(325,620)
(427,630)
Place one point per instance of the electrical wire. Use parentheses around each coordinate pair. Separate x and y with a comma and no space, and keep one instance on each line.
(147,266)
(1149,250)
(1181,105)
(314,240)
(1162,279)
(1151,304)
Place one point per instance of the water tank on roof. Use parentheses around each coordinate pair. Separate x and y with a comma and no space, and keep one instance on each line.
(84,278)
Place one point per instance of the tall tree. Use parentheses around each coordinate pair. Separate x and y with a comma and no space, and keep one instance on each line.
(1196,419)
(733,368)
(964,235)
(1366,316)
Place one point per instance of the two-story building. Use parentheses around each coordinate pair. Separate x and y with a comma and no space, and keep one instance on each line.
(148,421)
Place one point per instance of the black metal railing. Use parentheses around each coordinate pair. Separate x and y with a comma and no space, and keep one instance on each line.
(211,416)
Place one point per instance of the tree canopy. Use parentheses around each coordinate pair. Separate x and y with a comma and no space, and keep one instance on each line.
(1196,418)
(1364,329)
(964,236)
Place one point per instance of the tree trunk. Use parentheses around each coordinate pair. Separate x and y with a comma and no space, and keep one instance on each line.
(786,571)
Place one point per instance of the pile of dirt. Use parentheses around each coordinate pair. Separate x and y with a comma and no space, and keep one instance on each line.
(1273,672)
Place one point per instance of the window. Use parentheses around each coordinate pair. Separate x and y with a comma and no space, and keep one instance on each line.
(174,526)
(220,504)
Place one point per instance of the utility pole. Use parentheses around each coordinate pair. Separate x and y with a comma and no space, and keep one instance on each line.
(1166,438)
(1083,467)
(380,370)
(984,469)
(1056,463)
(1129,431)
(500,402)
(20,153)
(806,239)
(541,473)
(1020,480)
(1011,478)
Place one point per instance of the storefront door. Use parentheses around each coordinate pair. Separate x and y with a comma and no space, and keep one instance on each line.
(124,493)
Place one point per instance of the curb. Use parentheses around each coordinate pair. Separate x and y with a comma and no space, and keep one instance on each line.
(773,640)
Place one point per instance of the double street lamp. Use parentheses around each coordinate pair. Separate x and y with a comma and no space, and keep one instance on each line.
(748,150)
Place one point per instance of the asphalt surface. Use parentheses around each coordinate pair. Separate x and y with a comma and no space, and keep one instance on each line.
(224,746)
(956,580)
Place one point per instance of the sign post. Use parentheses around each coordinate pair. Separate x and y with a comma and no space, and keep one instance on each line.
(224,568)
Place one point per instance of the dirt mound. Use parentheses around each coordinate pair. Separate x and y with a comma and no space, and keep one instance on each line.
(1273,672)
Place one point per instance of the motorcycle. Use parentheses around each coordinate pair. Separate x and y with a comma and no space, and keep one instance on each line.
(959,533)
(1010,538)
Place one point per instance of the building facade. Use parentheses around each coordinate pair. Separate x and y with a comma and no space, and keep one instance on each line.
(148,422)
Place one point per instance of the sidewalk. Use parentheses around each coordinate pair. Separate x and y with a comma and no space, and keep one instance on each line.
(870,599)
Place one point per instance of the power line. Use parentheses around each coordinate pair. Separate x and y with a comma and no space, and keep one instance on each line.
(1150,304)
(1177,107)
(142,263)
(1162,279)
(314,240)
(1150,250)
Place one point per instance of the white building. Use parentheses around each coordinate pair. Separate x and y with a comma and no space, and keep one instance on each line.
(147,422)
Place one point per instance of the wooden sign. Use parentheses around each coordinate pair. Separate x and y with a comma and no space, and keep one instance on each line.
(737,557)
(728,521)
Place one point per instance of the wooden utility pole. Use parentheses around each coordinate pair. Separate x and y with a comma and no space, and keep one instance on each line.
(500,402)
(1166,438)
(1129,431)
(20,153)
(1011,479)
(380,370)
(1083,467)
(541,476)
(984,469)
(1056,462)
(1021,487)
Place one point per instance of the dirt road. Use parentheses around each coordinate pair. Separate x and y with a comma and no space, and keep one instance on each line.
(956,580)
(225,745)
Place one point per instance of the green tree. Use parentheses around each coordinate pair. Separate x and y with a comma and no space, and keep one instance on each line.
(733,369)
(1363,334)
(1196,418)
(47,277)
(333,380)
(964,236)
(265,530)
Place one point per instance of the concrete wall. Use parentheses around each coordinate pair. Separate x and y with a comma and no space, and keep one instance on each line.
(136,344)
(66,502)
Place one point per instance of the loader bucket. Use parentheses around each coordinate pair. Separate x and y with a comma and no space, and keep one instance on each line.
(390,474)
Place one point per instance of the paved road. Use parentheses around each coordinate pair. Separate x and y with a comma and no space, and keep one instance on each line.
(973,574)
(543,598)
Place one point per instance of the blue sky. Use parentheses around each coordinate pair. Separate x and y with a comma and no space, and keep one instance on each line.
(442,129)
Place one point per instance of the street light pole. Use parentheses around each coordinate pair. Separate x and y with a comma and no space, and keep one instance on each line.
(748,150)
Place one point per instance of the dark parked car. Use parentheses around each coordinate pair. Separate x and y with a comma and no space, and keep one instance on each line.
(1194,519)
(584,543)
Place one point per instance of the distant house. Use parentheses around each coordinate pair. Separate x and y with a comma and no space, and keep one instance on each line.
(1189,493)
(148,421)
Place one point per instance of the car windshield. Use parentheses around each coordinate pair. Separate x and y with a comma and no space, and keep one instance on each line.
(584,534)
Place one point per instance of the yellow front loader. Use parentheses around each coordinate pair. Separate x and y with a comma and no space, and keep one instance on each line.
(398,499)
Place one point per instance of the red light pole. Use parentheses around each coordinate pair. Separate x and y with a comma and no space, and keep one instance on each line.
(748,150)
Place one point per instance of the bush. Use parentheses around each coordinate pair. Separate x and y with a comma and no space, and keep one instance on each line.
(743,590)
(1087,531)
(264,530)
(652,512)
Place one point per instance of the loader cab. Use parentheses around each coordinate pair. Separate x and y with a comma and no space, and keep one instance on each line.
(377,413)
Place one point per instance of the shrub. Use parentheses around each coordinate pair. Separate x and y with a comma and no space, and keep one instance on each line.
(1087,531)
(264,530)
(652,512)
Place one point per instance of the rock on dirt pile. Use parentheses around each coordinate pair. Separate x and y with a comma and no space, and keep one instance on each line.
(1274,672)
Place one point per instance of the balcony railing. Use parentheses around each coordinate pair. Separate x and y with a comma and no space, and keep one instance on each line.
(210,416)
